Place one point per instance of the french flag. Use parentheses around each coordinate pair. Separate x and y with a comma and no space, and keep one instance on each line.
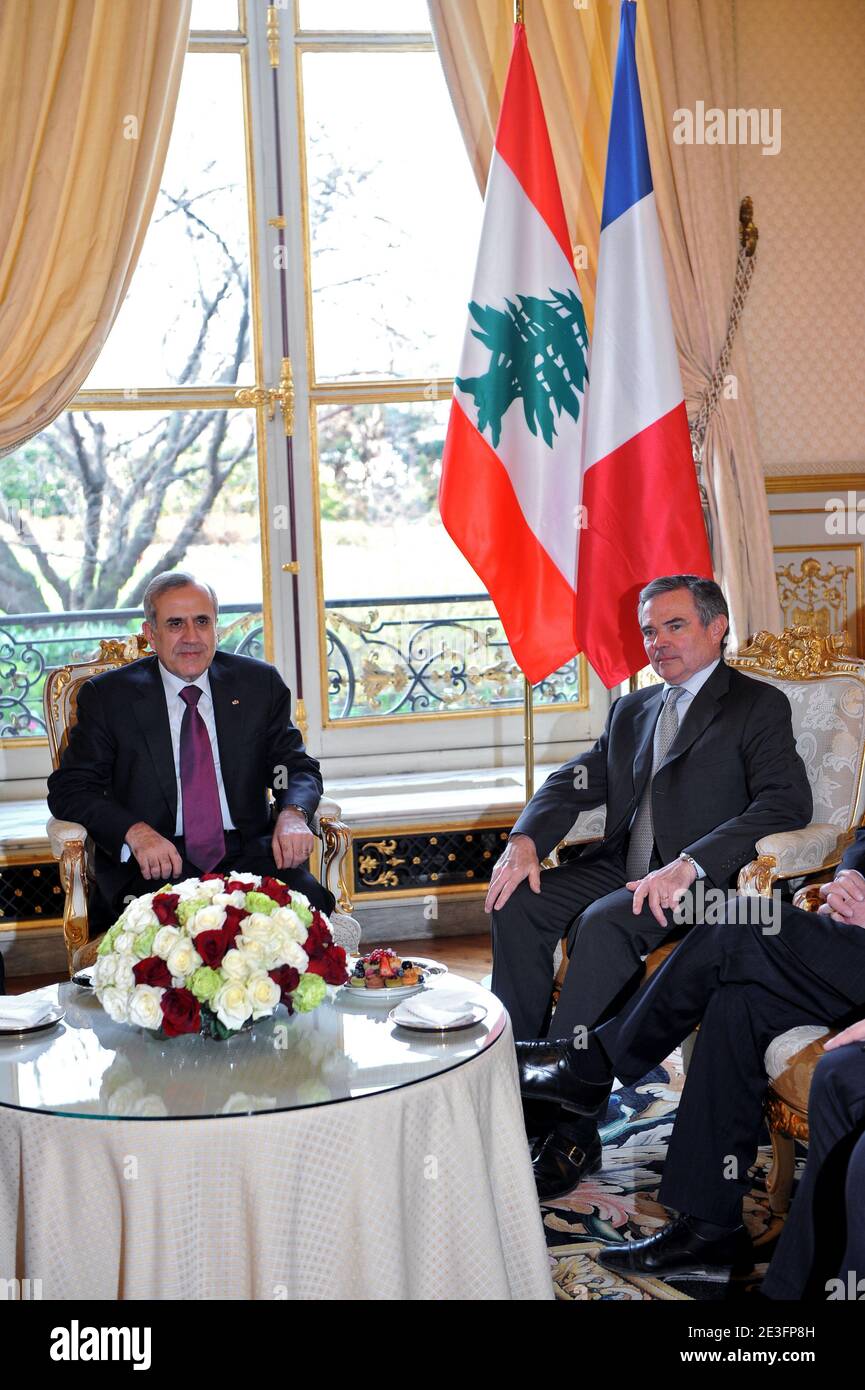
(643,516)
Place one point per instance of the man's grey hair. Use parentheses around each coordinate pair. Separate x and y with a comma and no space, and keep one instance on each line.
(708,597)
(172,579)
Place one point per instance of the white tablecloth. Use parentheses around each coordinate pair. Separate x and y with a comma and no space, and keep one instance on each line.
(424,1192)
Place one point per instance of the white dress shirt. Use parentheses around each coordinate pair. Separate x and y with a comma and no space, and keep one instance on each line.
(176,709)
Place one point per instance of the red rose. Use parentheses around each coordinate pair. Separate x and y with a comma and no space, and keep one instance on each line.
(288,979)
(205,877)
(152,971)
(330,966)
(318,938)
(276,889)
(181,1013)
(234,885)
(164,905)
(212,946)
(233,918)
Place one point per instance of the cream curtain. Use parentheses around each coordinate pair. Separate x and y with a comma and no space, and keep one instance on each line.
(574,52)
(89,90)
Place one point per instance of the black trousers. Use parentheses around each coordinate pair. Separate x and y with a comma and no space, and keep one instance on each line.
(744,987)
(824,1236)
(586,901)
(251,858)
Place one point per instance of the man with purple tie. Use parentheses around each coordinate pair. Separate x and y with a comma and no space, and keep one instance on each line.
(169,764)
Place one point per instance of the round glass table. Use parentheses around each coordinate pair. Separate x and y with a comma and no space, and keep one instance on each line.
(326,1155)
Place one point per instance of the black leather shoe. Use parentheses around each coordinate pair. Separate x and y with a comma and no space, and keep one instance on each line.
(547,1073)
(677,1249)
(560,1165)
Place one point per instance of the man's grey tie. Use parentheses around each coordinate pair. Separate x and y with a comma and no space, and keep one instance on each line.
(642,837)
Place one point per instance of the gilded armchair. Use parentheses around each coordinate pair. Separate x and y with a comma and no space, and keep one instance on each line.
(73,848)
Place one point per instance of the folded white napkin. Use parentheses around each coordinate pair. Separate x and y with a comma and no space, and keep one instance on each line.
(444,1008)
(23,1010)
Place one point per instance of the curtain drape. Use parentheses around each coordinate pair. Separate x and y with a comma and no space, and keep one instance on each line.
(696,188)
(89,91)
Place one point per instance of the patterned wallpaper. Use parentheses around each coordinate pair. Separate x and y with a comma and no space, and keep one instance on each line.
(805,322)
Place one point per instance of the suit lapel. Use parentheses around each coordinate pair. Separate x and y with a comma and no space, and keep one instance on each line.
(702,711)
(151,711)
(228,713)
(644,728)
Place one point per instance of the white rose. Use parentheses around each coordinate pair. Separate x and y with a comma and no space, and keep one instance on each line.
(190,887)
(294,955)
(124,974)
(252,881)
(235,966)
(232,1004)
(124,942)
(206,919)
(255,956)
(142,918)
(145,1007)
(115,1002)
(165,941)
(290,923)
(183,958)
(264,994)
(257,926)
(150,1106)
(103,971)
(235,899)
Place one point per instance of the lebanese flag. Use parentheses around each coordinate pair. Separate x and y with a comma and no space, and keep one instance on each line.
(640,493)
(510,486)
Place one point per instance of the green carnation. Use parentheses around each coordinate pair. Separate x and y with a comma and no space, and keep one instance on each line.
(204,983)
(144,942)
(188,907)
(309,994)
(107,942)
(260,902)
(302,911)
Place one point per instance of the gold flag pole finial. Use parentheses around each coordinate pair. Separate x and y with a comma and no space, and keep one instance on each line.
(518,12)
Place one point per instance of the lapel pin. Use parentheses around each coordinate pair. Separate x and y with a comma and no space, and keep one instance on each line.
(235,702)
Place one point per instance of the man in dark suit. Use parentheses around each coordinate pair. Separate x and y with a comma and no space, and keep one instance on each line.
(170,761)
(821,1253)
(692,773)
(744,985)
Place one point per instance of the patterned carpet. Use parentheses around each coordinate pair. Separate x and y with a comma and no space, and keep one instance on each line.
(620,1203)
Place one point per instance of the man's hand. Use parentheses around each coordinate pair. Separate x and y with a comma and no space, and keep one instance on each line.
(663,888)
(292,841)
(519,861)
(156,856)
(855,1033)
(844,898)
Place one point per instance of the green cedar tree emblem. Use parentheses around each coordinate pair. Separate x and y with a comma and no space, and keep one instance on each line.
(539,355)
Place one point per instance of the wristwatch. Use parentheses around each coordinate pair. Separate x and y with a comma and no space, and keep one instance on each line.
(690,860)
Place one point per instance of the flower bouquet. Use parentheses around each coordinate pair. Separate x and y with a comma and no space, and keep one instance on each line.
(213,954)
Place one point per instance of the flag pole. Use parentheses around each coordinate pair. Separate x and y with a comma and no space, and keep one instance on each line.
(528,707)
(529,737)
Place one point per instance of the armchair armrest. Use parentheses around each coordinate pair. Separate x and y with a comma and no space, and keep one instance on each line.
(63,832)
(791,854)
(589,825)
(70,845)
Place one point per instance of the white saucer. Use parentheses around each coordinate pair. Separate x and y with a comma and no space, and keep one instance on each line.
(17,1030)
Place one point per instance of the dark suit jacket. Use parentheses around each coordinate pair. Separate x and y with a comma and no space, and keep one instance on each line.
(731,776)
(118,767)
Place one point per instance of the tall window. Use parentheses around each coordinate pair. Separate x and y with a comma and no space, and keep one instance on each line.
(392,217)
(153,466)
